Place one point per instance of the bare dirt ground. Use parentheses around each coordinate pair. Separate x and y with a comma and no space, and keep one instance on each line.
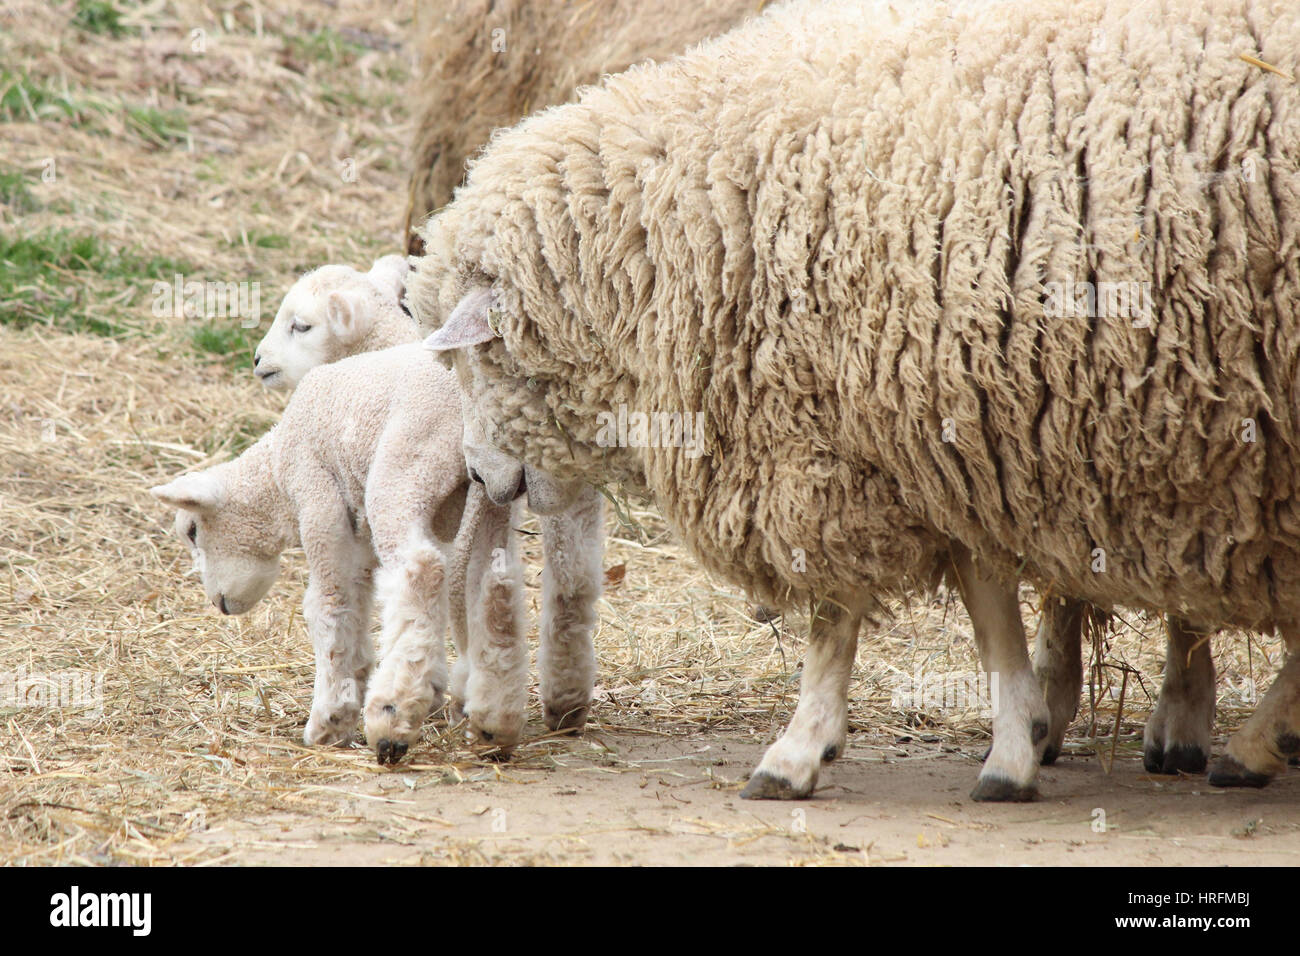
(620,799)
(129,155)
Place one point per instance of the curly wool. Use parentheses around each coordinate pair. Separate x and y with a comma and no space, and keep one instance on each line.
(485,64)
(837,233)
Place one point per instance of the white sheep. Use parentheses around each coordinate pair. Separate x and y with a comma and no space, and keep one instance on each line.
(331,313)
(365,471)
(858,281)
(334,312)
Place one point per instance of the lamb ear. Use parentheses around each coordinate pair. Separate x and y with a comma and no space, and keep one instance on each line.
(389,274)
(348,316)
(198,492)
(467,325)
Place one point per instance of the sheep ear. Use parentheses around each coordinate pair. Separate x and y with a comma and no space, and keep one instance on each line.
(389,274)
(198,492)
(467,325)
(347,316)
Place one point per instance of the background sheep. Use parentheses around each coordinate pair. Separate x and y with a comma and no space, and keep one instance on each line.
(334,312)
(766,251)
(485,64)
(366,472)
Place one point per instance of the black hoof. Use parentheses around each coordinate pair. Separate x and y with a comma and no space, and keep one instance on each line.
(390,751)
(764,786)
(830,753)
(498,754)
(1228,772)
(568,719)
(1153,759)
(1050,755)
(1293,761)
(1185,758)
(998,789)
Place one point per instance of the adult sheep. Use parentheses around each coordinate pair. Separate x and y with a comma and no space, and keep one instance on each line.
(851,238)
(485,64)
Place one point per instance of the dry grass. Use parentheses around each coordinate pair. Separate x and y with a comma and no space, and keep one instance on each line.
(202,715)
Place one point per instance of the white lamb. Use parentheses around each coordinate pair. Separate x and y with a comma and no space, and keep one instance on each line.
(365,471)
(334,312)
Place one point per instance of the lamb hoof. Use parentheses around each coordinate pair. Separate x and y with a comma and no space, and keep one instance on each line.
(1293,761)
(764,786)
(571,719)
(1228,772)
(999,789)
(1153,759)
(1050,755)
(390,751)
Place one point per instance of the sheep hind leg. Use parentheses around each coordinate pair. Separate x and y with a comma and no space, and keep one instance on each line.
(1266,742)
(1177,735)
(411,679)
(1020,714)
(571,584)
(817,732)
(1058,665)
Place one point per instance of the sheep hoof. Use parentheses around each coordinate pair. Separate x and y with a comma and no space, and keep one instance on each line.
(999,789)
(763,786)
(390,751)
(571,719)
(1184,758)
(1228,772)
(1050,754)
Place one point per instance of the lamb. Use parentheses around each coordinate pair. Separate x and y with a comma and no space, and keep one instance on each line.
(365,471)
(855,259)
(334,312)
(485,64)
(331,313)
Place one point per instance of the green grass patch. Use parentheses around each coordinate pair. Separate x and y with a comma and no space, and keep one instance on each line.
(227,340)
(99,16)
(50,278)
(325,46)
(23,98)
(15,194)
(162,128)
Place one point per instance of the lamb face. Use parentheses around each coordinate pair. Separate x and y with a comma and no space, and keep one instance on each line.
(237,570)
(326,316)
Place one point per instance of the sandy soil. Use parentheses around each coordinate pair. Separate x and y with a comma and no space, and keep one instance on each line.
(623,799)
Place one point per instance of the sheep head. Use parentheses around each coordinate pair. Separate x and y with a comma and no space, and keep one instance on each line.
(233,550)
(503,476)
(327,315)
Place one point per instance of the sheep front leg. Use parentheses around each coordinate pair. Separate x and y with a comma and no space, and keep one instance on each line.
(571,584)
(1177,735)
(496,688)
(1271,737)
(337,611)
(816,735)
(1020,715)
(412,677)
(1058,665)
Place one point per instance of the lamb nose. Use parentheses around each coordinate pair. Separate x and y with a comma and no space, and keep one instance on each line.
(474,476)
(257,360)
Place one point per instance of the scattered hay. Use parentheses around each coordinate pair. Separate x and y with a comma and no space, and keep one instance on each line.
(199,717)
